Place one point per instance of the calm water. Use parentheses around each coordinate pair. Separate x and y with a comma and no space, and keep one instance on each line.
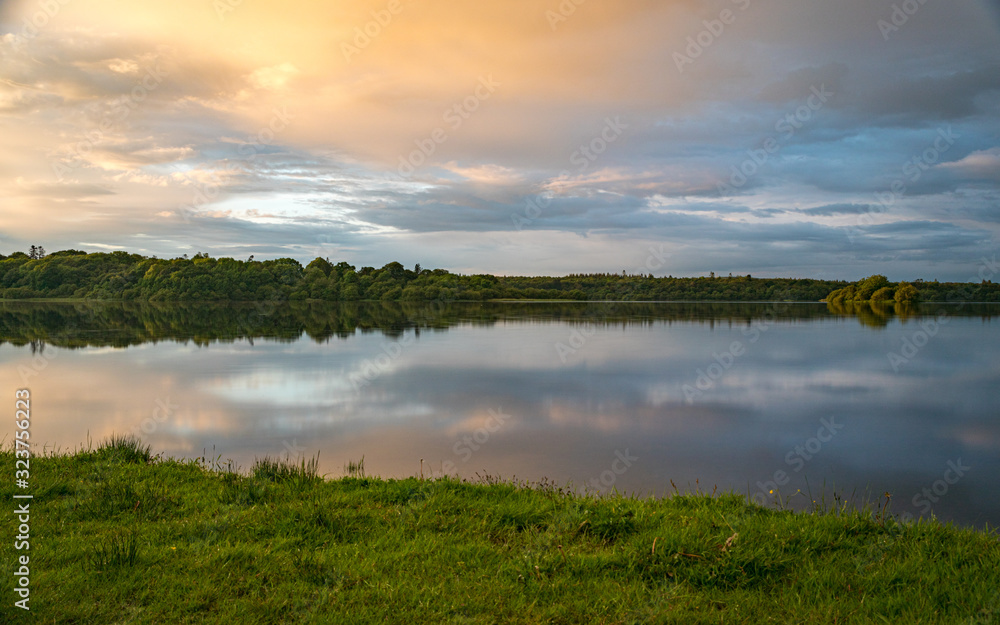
(626,396)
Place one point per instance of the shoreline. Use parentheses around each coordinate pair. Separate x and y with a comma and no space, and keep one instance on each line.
(120,531)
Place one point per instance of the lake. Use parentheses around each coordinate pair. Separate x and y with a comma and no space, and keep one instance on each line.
(628,396)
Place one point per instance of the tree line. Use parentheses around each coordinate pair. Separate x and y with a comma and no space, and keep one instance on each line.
(124,276)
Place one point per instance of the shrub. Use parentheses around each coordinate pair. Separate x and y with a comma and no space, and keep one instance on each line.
(906,293)
(884,294)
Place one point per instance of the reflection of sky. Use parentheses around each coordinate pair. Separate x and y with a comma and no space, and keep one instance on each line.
(620,390)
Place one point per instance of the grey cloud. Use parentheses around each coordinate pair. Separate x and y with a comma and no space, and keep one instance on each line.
(928,98)
(798,83)
(766,213)
(830,210)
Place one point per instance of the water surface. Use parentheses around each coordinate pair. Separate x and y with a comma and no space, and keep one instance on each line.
(608,396)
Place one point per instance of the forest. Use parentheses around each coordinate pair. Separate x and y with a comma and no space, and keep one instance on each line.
(133,277)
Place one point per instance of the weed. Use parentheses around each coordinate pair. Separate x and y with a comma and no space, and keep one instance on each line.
(355,469)
(125,449)
(120,549)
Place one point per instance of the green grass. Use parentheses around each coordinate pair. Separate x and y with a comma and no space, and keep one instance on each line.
(118,536)
(122,448)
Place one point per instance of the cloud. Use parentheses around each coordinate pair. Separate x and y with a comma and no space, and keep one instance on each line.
(980,165)
(830,210)
(273,78)
(60,190)
(945,95)
(276,125)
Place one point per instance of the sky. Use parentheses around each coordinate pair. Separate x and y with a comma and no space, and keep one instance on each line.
(522,137)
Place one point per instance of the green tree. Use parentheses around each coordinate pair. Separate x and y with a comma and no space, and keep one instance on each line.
(321,264)
(906,293)
(884,294)
(867,287)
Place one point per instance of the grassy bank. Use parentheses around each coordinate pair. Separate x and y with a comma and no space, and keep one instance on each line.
(119,537)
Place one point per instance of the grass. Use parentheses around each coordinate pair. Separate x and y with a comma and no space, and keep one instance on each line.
(119,536)
(122,448)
